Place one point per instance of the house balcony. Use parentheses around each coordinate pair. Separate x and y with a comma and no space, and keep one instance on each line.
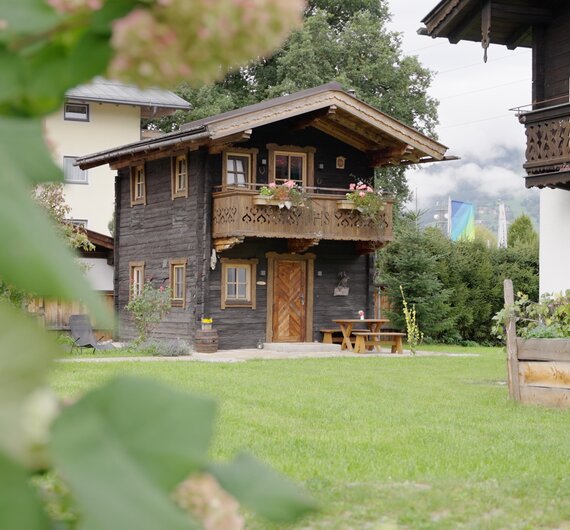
(239,212)
(548,147)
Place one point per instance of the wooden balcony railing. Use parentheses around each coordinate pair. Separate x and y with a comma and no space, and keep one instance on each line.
(238,213)
(548,139)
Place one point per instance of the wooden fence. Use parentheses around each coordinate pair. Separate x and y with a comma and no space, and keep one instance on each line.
(54,314)
(538,369)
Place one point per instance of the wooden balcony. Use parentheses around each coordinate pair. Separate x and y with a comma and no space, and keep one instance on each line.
(238,213)
(548,147)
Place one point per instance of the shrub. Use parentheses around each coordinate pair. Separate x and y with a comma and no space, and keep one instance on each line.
(166,348)
(148,309)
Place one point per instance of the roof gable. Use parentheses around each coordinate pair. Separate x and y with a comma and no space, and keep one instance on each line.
(327,108)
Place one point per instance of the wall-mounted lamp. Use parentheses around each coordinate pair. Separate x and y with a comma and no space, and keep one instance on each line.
(321,165)
(264,161)
(262,273)
(319,273)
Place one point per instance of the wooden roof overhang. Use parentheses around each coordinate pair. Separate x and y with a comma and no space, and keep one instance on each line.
(328,108)
(506,22)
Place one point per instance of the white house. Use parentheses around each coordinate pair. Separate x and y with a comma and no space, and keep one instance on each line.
(98,116)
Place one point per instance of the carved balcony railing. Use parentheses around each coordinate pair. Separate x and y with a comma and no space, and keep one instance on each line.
(238,213)
(548,139)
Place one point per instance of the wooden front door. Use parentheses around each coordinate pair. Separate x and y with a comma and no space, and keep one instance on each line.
(289,301)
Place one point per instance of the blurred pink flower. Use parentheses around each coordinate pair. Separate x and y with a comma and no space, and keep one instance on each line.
(362,194)
(289,184)
(272,185)
(352,187)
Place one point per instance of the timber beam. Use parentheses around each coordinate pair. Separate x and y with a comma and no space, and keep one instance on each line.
(225,243)
(310,119)
(368,247)
(296,246)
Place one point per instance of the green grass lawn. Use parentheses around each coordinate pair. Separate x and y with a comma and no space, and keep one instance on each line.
(424,442)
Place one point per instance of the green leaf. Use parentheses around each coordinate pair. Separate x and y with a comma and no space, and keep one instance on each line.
(20,508)
(128,444)
(27,17)
(13,71)
(262,489)
(25,355)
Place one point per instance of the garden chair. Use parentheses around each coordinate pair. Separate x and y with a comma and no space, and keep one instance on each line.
(83,336)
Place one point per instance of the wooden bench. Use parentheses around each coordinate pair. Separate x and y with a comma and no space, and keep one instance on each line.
(369,339)
(329,336)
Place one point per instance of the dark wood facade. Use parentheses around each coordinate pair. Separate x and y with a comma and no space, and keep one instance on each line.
(296,258)
(544,26)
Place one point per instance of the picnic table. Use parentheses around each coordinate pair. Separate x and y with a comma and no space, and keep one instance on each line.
(346,325)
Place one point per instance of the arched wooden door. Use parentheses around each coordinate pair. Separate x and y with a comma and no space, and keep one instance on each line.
(290,300)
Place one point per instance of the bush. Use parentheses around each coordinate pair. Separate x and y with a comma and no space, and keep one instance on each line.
(166,348)
(148,309)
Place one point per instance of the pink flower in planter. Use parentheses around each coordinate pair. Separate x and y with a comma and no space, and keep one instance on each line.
(290,184)
(369,189)
(352,187)
(272,185)
(362,194)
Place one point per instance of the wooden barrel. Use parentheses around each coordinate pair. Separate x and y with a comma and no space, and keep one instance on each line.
(206,341)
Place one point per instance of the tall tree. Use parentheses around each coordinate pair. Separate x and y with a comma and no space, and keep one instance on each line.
(521,232)
(348,42)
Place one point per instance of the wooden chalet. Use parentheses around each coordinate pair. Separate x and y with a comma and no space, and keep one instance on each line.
(189,215)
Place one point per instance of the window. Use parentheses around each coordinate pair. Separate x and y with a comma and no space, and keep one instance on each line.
(238,283)
(239,167)
(76,112)
(138,185)
(178,282)
(291,163)
(73,173)
(179,176)
(136,282)
(81,223)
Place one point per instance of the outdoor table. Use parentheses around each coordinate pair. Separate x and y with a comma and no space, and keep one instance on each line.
(346,325)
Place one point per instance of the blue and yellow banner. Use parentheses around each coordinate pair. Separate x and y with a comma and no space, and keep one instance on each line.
(461,220)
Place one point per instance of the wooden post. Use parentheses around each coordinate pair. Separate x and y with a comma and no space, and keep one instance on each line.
(512,353)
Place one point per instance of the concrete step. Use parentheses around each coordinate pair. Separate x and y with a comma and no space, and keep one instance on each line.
(301,347)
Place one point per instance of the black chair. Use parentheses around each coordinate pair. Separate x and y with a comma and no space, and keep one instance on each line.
(83,336)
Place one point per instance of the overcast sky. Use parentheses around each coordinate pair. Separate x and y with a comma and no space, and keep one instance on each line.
(475,98)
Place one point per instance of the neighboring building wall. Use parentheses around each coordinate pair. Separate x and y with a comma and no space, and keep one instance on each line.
(99,273)
(108,126)
(554,240)
(556,54)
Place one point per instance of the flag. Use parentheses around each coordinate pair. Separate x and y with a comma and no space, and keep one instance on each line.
(461,220)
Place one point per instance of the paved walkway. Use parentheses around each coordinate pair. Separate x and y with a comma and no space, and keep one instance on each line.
(232,356)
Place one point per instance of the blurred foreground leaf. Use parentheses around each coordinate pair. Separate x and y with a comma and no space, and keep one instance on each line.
(25,354)
(20,508)
(127,445)
(262,489)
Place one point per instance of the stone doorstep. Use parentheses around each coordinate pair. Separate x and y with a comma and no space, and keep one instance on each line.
(306,347)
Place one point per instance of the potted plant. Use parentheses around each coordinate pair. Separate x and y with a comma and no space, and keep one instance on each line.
(207,323)
(363,198)
(287,195)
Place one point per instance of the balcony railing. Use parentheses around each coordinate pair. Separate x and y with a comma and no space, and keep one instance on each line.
(238,212)
(548,139)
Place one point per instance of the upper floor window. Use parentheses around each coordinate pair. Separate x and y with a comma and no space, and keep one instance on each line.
(178,282)
(291,163)
(239,167)
(73,173)
(136,277)
(179,176)
(76,112)
(138,185)
(81,223)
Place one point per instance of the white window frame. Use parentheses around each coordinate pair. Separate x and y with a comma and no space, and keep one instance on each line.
(136,278)
(138,185)
(74,174)
(179,176)
(72,115)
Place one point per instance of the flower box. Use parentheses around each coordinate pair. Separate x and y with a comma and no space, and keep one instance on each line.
(346,204)
(260,200)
